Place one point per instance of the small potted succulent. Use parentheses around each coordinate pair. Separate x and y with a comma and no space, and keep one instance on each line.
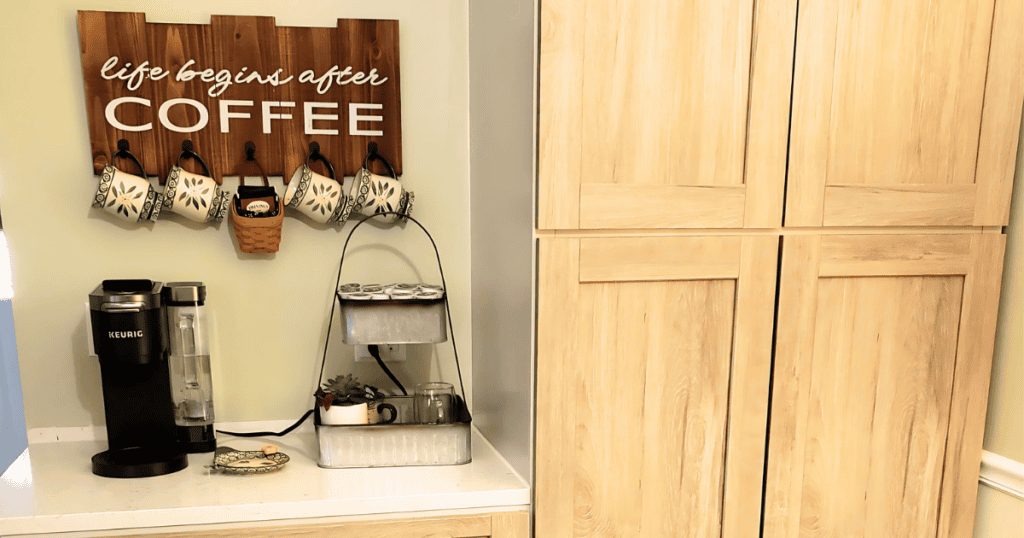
(343,400)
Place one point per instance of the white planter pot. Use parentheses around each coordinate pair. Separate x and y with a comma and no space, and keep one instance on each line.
(344,415)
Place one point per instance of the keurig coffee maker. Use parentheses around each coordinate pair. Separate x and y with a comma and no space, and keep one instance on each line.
(129,334)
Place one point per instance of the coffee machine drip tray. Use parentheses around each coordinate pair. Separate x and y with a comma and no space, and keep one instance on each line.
(138,462)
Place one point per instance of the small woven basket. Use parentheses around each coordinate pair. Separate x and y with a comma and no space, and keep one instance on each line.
(257,235)
(260,235)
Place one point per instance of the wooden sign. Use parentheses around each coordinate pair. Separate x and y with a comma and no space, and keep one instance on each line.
(238,79)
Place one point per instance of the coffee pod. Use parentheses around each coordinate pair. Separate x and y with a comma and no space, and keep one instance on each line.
(349,287)
(357,296)
(373,288)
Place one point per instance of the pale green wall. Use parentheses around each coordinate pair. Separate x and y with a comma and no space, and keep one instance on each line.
(999,515)
(271,311)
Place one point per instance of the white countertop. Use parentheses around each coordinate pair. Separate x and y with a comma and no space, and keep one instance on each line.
(51,488)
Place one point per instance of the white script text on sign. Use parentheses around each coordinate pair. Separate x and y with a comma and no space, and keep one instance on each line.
(221,80)
(224,78)
(227,114)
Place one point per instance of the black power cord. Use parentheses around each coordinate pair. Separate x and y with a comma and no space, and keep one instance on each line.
(375,351)
(270,434)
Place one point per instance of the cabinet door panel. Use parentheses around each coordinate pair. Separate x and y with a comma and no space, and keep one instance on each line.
(663,113)
(884,347)
(891,103)
(652,385)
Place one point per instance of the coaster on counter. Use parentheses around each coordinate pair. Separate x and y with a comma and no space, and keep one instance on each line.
(244,462)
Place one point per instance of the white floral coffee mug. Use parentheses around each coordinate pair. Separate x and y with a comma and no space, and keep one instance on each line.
(195,197)
(128,197)
(320,198)
(373,194)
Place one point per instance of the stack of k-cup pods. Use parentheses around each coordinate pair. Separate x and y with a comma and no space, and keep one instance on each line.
(392,292)
(429,291)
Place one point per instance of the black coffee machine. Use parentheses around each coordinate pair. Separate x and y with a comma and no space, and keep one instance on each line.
(130,337)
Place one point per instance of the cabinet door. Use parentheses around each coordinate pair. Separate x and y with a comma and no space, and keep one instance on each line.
(905,112)
(884,351)
(663,113)
(653,366)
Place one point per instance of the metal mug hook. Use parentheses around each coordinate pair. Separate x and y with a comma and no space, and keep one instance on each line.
(123,151)
(187,152)
(373,155)
(315,155)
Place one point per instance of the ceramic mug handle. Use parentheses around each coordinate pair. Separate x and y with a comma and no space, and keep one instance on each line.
(389,407)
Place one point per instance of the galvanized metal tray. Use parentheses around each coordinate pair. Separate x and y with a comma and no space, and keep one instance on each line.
(406,321)
(400,444)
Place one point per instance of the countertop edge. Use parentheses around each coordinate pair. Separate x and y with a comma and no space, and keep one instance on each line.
(286,514)
(279,523)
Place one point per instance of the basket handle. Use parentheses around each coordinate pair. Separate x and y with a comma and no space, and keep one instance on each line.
(440,269)
(250,157)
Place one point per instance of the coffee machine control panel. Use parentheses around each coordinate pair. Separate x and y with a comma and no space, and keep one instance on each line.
(127,321)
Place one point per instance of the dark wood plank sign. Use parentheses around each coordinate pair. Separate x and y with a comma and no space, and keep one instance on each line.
(238,79)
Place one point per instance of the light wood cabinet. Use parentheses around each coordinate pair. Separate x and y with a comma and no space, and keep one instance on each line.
(652,365)
(653,368)
(905,113)
(654,347)
(663,114)
(884,351)
(671,114)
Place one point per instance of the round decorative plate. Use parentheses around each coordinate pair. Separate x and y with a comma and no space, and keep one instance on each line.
(249,462)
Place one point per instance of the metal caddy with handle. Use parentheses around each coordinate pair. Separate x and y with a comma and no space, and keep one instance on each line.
(403,442)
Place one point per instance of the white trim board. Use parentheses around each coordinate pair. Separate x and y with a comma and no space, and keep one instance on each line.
(1002,474)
